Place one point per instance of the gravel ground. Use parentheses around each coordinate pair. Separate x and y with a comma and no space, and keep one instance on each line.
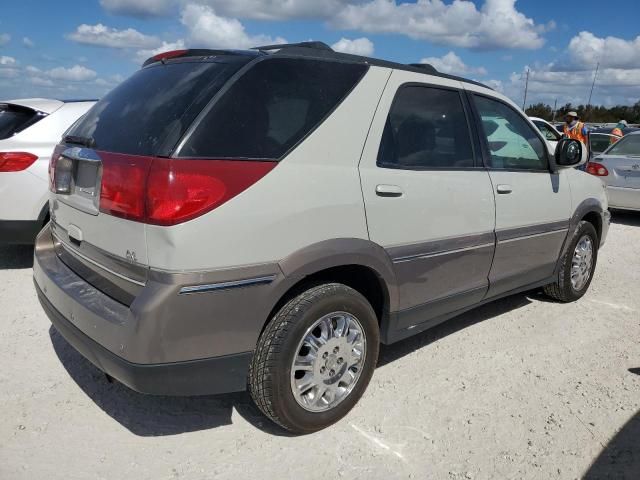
(521,388)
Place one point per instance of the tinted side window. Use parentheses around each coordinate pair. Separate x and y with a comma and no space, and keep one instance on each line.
(426,128)
(155,106)
(512,142)
(14,119)
(271,108)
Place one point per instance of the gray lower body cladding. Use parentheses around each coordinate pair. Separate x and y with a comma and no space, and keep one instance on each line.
(162,330)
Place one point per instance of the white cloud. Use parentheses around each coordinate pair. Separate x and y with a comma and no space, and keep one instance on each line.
(77,73)
(497,24)
(103,36)
(4,38)
(357,46)
(7,61)
(27,42)
(138,8)
(207,29)
(460,23)
(452,63)
(586,50)
(277,9)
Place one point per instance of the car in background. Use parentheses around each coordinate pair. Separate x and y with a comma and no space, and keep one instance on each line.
(619,168)
(29,131)
(549,132)
(601,138)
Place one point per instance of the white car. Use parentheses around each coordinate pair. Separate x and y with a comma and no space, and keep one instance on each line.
(29,130)
(264,219)
(619,169)
(550,133)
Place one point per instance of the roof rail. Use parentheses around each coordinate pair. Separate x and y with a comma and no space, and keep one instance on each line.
(313,45)
(424,66)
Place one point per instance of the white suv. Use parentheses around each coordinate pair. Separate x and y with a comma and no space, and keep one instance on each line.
(29,130)
(266,218)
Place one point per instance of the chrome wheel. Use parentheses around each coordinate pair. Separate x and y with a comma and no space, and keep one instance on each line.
(581,262)
(328,362)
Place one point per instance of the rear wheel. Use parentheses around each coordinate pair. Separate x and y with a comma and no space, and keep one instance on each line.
(578,265)
(315,358)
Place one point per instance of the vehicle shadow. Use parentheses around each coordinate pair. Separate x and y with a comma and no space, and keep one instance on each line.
(391,353)
(621,457)
(150,415)
(16,256)
(631,219)
(154,415)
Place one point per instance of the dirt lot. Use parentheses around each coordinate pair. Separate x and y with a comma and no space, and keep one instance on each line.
(522,388)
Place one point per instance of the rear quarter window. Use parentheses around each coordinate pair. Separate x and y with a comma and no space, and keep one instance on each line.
(15,118)
(273,106)
(150,111)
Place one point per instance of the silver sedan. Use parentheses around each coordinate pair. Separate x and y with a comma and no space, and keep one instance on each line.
(619,168)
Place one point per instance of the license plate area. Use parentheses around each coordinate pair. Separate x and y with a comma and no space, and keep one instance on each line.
(77,179)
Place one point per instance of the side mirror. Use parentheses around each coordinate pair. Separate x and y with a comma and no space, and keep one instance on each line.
(570,153)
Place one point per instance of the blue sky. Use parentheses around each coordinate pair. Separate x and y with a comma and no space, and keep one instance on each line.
(83,48)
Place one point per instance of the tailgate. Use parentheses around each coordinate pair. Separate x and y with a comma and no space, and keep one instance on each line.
(107,251)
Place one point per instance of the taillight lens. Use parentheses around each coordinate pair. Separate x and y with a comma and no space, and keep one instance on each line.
(124,177)
(52,166)
(597,169)
(164,191)
(16,161)
(169,54)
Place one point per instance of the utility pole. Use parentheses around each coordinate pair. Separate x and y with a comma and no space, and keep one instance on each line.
(595,75)
(555,109)
(526,88)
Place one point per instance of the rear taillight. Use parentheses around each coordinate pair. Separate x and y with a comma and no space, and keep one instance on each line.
(597,169)
(124,178)
(52,166)
(164,191)
(16,161)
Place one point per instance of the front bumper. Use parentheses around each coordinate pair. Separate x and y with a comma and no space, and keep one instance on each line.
(19,232)
(162,343)
(606,222)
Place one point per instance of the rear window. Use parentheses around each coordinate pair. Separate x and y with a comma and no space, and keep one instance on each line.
(149,112)
(15,118)
(271,108)
(629,145)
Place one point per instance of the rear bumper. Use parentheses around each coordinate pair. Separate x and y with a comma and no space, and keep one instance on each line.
(165,341)
(19,232)
(624,198)
(196,377)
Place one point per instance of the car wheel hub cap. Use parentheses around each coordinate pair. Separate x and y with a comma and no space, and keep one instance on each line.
(581,263)
(328,362)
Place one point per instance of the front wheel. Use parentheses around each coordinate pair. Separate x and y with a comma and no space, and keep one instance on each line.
(315,358)
(578,265)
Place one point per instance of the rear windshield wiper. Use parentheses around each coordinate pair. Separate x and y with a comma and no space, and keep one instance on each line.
(88,142)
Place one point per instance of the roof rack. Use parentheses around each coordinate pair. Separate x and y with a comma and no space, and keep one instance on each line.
(313,45)
(427,67)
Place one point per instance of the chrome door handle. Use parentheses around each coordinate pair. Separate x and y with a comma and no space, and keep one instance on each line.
(388,191)
(503,189)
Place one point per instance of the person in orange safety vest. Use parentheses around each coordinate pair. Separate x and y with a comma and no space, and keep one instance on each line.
(574,128)
(618,131)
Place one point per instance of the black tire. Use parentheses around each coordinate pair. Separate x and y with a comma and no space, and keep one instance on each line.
(562,290)
(270,369)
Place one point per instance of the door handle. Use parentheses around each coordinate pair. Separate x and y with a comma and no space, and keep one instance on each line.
(504,189)
(388,191)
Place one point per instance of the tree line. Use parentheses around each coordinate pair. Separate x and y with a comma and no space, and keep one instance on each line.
(595,114)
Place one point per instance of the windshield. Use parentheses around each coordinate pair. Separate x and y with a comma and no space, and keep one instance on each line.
(629,145)
(149,112)
(14,118)
(599,142)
